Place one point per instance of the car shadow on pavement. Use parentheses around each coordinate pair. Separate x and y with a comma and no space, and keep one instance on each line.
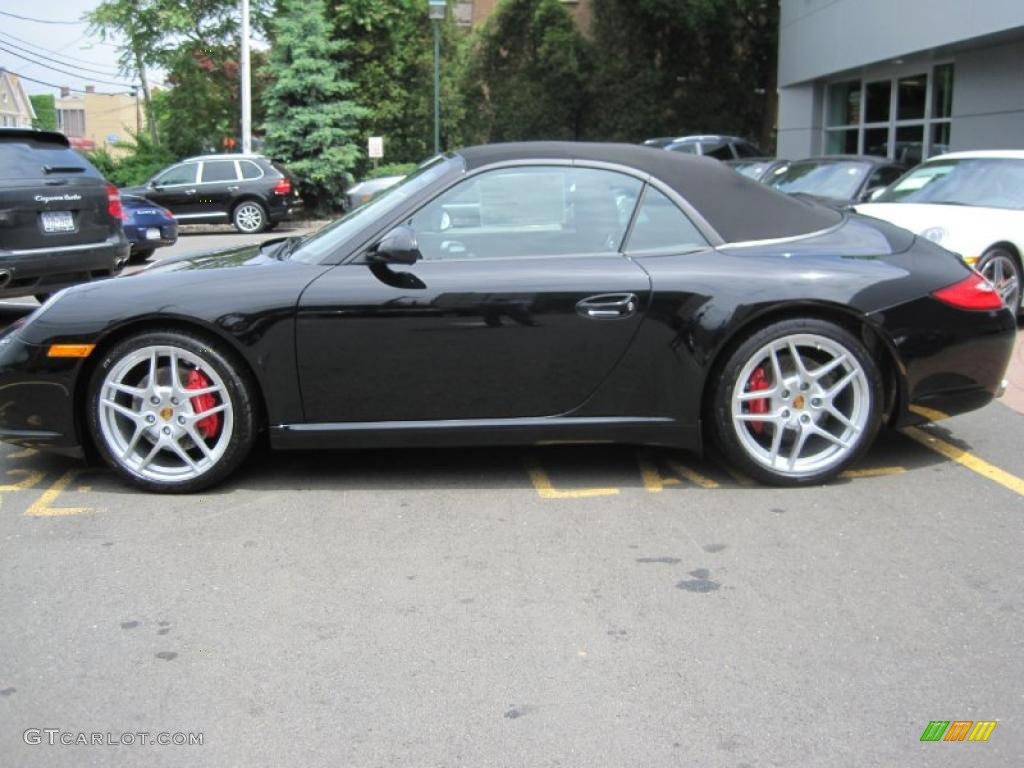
(551,471)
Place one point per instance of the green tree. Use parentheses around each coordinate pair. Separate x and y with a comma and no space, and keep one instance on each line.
(46,111)
(528,71)
(390,61)
(312,122)
(670,67)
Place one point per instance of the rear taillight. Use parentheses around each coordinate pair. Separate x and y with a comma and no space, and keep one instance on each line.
(114,207)
(283,187)
(167,213)
(974,292)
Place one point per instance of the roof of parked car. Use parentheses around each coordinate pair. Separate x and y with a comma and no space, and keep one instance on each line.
(35,135)
(226,156)
(738,208)
(987,154)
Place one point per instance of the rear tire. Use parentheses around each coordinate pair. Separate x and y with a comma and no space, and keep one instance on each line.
(250,217)
(796,402)
(151,427)
(138,257)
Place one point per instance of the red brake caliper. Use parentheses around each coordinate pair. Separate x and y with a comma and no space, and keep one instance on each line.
(758,381)
(209,426)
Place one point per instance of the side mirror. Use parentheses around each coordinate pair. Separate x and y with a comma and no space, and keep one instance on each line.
(397,247)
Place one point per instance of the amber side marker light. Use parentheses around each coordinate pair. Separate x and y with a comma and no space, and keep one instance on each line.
(70,350)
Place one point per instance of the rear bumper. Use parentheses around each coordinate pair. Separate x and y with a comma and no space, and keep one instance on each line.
(136,235)
(286,209)
(45,270)
(952,361)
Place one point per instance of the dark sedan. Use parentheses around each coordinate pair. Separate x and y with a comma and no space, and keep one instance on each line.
(516,294)
(837,179)
(147,226)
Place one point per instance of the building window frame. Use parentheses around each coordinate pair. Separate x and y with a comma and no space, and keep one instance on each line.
(928,123)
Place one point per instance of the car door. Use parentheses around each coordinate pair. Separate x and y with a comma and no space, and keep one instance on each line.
(176,189)
(521,304)
(218,183)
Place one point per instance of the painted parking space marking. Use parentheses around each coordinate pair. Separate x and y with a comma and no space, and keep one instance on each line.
(542,484)
(44,505)
(853,474)
(966,459)
(31,480)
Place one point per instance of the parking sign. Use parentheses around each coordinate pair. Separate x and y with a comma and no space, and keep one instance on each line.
(376,147)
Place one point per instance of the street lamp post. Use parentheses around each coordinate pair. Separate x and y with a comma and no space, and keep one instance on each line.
(437,10)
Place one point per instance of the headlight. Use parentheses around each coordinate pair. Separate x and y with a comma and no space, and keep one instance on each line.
(935,234)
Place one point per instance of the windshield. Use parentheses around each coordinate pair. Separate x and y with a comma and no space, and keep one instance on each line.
(839,179)
(319,244)
(751,170)
(987,182)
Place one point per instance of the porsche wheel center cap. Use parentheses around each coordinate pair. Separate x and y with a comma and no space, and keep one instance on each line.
(798,403)
(166,413)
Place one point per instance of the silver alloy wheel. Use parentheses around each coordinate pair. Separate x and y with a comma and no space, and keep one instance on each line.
(1001,270)
(810,404)
(249,217)
(148,420)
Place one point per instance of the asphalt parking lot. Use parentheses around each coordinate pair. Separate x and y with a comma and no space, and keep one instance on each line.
(557,606)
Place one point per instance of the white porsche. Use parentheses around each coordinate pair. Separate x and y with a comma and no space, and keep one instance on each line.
(971,203)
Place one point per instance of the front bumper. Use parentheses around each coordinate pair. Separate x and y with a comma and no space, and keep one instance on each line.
(37,397)
(45,270)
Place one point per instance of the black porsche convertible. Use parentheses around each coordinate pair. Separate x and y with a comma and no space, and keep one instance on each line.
(519,294)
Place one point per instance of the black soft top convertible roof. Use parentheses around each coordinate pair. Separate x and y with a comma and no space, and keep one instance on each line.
(738,208)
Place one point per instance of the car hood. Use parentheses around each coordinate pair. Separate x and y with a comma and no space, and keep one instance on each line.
(242,256)
(965,229)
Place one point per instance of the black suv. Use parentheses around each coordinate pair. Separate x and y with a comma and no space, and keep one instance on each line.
(60,221)
(250,191)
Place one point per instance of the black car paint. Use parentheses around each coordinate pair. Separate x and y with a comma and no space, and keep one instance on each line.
(47,176)
(349,353)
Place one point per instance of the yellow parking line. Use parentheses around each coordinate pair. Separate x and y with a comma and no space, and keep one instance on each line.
(693,476)
(30,481)
(24,453)
(966,459)
(928,413)
(42,507)
(873,472)
(542,484)
(653,481)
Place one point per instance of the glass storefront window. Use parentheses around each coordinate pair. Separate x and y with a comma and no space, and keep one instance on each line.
(876,142)
(909,148)
(910,97)
(942,91)
(877,97)
(844,103)
(842,142)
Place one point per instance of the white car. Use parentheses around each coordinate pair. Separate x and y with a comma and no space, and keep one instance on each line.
(971,203)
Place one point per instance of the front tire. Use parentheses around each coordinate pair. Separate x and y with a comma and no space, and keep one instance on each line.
(1003,270)
(171,413)
(250,217)
(797,402)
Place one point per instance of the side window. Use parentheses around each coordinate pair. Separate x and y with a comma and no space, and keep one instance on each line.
(883,177)
(528,211)
(686,149)
(249,169)
(178,174)
(219,170)
(717,150)
(661,226)
(746,150)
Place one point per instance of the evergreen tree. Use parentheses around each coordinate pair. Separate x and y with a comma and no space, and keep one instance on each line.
(312,123)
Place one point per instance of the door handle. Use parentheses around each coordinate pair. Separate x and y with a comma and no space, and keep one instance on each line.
(233,188)
(190,191)
(608,306)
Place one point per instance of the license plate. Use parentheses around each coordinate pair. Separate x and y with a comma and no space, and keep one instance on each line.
(152,234)
(58,221)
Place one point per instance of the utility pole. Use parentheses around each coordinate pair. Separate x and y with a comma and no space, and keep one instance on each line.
(437,9)
(246,83)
